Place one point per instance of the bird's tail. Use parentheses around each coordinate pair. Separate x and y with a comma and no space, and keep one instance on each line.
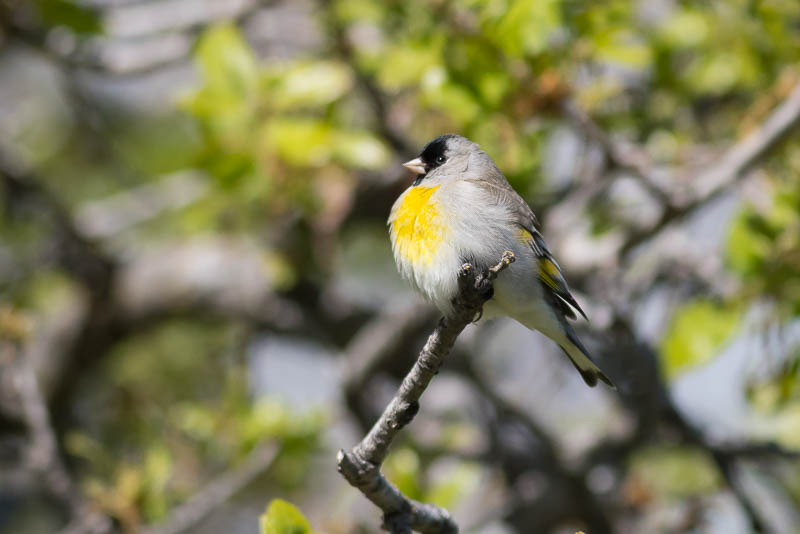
(580,358)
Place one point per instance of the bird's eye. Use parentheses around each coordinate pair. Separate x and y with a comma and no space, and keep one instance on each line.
(440,159)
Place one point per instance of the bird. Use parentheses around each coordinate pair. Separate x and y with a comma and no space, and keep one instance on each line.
(461,209)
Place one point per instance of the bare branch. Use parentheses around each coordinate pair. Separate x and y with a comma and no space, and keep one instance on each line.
(217,492)
(361,466)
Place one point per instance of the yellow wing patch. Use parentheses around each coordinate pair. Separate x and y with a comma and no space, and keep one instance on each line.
(417,226)
(549,273)
(524,236)
(548,270)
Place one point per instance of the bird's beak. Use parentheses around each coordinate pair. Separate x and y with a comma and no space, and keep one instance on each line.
(415,165)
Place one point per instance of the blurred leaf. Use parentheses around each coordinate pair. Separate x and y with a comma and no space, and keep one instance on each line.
(157,471)
(522,27)
(228,65)
(300,141)
(15,325)
(696,332)
(313,143)
(623,48)
(70,14)
(684,28)
(459,481)
(674,471)
(745,248)
(282,517)
(402,468)
(780,388)
(721,71)
(360,150)
(405,64)
(307,84)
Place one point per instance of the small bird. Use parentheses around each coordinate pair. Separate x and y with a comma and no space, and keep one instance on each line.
(461,209)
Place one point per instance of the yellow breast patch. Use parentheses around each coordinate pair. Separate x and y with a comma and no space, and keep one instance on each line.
(417,226)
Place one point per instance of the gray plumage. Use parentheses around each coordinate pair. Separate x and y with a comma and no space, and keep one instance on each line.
(462,209)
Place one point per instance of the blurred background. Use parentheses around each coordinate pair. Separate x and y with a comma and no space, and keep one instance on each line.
(199,306)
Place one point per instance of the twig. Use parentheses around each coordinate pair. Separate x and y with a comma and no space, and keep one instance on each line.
(217,492)
(361,466)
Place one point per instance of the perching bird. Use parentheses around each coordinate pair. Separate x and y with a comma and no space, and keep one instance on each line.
(461,209)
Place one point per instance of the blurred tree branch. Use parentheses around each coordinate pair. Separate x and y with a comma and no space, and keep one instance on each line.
(376,97)
(361,466)
(728,168)
(77,253)
(187,515)
(546,513)
(626,156)
(43,453)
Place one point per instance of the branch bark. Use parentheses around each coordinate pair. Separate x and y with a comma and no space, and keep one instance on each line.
(361,466)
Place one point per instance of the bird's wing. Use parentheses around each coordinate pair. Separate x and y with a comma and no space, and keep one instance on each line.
(549,272)
(501,192)
(551,277)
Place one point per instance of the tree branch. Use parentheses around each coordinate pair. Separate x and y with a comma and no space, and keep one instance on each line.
(361,466)
(625,156)
(376,97)
(43,455)
(727,169)
(77,253)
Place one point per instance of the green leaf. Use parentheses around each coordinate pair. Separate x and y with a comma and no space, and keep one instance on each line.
(462,478)
(721,71)
(405,64)
(746,248)
(624,48)
(402,467)
(299,141)
(283,517)
(522,27)
(686,28)
(77,18)
(697,331)
(360,150)
(675,471)
(226,60)
(307,84)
